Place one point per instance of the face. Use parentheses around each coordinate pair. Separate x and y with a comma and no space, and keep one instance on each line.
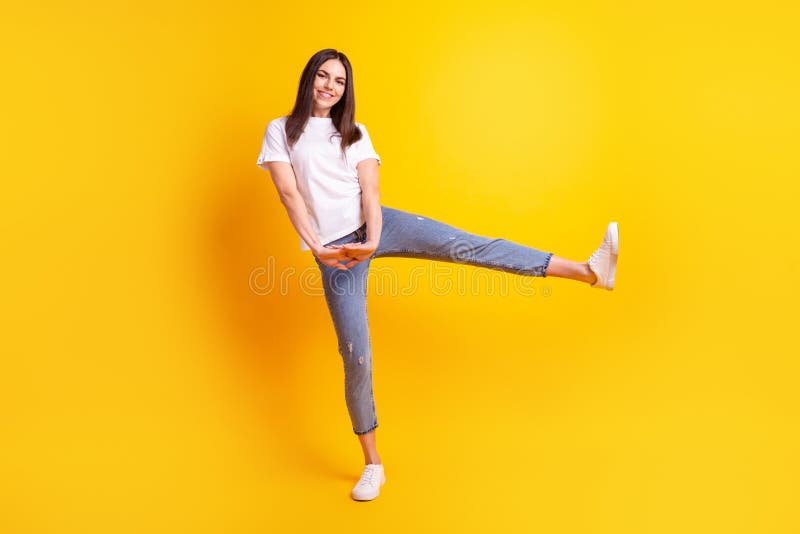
(329,84)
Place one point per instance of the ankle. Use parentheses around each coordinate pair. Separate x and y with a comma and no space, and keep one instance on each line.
(591,278)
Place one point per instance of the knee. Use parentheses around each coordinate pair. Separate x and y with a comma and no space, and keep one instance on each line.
(357,356)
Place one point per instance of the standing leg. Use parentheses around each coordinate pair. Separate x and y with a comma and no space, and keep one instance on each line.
(346,296)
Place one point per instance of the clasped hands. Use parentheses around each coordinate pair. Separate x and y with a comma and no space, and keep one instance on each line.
(351,253)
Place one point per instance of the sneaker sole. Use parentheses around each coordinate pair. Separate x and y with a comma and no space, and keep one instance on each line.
(614,227)
(365,499)
(612,270)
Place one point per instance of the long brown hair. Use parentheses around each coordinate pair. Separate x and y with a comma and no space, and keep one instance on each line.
(342,113)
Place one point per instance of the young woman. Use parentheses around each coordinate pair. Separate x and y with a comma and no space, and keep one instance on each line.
(325,169)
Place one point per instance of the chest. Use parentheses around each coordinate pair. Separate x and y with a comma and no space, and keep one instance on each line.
(320,152)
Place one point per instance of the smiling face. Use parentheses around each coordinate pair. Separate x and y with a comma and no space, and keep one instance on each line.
(330,81)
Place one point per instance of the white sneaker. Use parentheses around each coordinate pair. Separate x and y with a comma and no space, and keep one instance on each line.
(369,485)
(603,261)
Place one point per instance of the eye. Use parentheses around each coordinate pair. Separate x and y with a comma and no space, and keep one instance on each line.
(341,82)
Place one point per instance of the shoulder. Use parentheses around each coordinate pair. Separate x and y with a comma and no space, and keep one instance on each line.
(361,126)
(280,121)
(277,127)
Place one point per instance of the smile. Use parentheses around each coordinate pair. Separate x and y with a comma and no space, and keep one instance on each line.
(324,94)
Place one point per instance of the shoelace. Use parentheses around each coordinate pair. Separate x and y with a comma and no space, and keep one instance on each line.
(602,251)
(366,477)
(598,259)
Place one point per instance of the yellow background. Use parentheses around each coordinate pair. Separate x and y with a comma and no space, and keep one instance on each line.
(146,387)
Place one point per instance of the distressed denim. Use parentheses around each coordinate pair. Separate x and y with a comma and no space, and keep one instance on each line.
(407,235)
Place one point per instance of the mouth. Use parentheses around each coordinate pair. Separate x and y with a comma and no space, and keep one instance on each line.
(324,95)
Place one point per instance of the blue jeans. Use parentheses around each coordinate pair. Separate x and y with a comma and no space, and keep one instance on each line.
(411,236)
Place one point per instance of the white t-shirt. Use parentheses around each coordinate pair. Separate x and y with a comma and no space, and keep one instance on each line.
(328,184)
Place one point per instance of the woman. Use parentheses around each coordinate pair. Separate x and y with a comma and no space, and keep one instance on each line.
(325,169)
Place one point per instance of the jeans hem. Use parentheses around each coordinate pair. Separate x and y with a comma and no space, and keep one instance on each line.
(365,431)
(546,263)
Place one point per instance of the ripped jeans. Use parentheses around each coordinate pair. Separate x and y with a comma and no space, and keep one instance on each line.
(411,236)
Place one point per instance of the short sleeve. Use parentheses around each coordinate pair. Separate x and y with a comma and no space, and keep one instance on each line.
(363,148)
(274,146)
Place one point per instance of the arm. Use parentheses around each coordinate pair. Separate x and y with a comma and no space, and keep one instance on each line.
(286,183)
(370,199)
(371,204)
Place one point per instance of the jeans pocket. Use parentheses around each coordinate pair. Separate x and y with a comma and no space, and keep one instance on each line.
(361,234)
(352,237)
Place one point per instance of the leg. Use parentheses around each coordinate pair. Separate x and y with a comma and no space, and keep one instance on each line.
(410,235)
(368,446)
(407,234)
(573,270)
(346,297)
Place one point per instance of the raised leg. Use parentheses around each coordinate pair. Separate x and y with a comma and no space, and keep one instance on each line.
(407,234)
(563,268)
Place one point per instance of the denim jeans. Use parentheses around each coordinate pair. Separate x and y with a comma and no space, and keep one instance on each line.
(407,235)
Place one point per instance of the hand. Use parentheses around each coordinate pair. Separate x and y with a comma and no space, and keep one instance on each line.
(359,252)
(331,255)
